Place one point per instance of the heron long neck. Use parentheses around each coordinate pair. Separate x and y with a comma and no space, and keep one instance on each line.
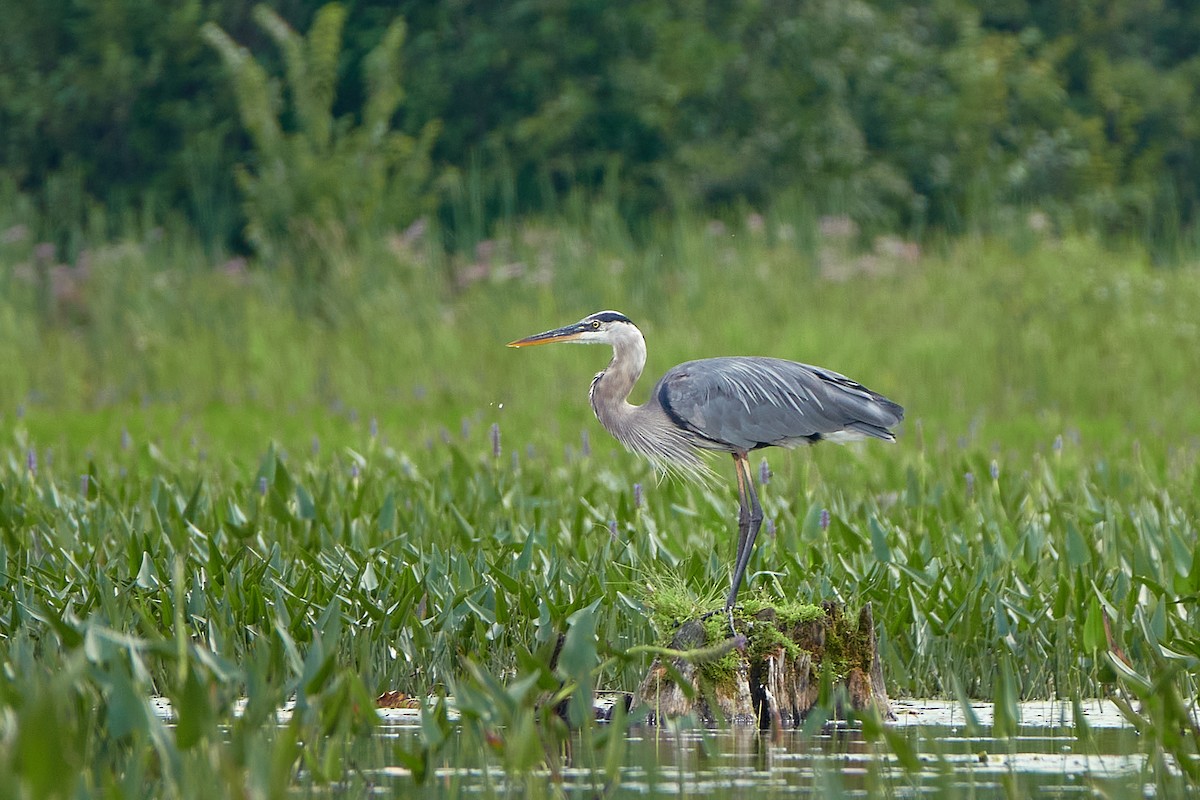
(611,388)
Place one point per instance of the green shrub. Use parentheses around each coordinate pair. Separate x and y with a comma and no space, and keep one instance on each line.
(320,183)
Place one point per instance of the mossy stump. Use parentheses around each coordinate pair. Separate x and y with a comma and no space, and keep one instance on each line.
(775,680)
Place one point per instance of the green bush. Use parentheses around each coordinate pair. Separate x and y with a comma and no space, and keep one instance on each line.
(310,191)
(114,115)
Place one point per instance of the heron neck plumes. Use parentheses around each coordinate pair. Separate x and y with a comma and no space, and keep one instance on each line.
(643,429)
(611,388)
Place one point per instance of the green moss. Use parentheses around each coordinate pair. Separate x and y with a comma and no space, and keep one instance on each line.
(769,638)
(723,670)
(791,613)
(671,601)
(771,626)
(845,646)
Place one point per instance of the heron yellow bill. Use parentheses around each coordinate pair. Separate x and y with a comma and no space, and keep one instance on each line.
(567,333)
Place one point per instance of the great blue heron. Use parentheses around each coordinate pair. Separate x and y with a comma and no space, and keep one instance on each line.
(732,405)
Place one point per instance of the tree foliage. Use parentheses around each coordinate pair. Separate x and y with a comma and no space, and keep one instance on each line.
(310,188)
(902,113)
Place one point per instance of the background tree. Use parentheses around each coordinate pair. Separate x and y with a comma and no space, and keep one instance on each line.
(311,190)
(114,113)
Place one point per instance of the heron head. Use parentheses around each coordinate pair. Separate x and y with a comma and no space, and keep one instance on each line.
(603,327)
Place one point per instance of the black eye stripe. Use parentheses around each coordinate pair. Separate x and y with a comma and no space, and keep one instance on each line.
(609,316)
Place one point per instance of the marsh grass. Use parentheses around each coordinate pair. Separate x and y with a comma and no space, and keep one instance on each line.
(332,581)
(436,512)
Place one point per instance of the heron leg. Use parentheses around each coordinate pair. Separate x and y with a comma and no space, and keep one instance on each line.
(750,517)
(743,508)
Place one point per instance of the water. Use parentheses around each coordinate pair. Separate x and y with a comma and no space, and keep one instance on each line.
(932,749)
(949,758)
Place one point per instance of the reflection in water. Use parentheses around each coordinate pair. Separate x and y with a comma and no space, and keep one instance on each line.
(943,756)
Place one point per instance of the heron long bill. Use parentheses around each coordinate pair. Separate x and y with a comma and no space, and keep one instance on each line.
(567,333)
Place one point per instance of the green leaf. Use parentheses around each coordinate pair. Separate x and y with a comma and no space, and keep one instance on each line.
(194,712)
(578,658)
(1083,727)
(147,577)
(1006,713)
(1094,638)
(235,519)
(369,582)
(125,706)
(193,503)
(579,655)
(386,521)
(879,542)
(1140,684)
(973,726)
(45,739)
(901,745)
(306,509)
(1078,552)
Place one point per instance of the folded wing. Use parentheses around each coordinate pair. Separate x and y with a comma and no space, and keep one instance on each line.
(742,403)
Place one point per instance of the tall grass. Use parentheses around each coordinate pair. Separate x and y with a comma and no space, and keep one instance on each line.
(1002,340)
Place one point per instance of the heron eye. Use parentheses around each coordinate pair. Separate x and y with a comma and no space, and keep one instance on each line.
(596,324)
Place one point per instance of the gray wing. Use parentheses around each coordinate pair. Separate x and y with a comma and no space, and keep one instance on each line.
(744,403)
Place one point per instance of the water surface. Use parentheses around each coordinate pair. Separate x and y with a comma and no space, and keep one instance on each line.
(951,756)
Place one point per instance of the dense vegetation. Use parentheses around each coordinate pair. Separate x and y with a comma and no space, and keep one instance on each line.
(904,115)
(260,439)
(436,509)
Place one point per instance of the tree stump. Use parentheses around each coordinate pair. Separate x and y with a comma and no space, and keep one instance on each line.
(775,679)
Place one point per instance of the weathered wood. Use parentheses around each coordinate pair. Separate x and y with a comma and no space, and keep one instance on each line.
(775,679)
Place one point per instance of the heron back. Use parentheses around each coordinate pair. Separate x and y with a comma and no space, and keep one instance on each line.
(743,403)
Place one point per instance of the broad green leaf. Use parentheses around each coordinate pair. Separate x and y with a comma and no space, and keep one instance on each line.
(1094,638)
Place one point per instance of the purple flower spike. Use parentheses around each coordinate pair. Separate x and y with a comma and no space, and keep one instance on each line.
(637,495)
(612,529)
(764,473)
(970,476)
(31,461)
(262,486)
(824,519)
(495,433)
(770,526)
(994,470)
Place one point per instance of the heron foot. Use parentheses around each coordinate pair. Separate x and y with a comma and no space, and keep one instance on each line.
(733,634)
